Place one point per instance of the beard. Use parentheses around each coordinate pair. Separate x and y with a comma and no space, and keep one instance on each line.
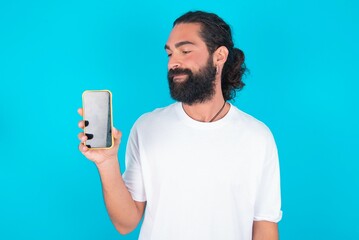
(197,88)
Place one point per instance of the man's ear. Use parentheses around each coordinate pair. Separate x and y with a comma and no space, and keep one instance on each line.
(220,56)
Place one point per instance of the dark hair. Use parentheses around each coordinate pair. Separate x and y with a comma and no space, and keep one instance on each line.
(216,33)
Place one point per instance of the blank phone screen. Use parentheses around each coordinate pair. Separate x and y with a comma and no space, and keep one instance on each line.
(98,119)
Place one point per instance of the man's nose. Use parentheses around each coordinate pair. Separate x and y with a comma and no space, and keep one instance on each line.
(173,63)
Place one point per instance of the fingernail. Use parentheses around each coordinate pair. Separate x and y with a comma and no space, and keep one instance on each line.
(89,136)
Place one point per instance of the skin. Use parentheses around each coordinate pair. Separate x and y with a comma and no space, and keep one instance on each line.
(125,213)
(185,49)
(264,230)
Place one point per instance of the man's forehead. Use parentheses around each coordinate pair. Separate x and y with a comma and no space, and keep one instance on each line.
(180,44)
(184,33)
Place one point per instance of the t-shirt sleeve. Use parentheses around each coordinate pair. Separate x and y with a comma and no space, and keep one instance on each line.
(133,176)
(268,200)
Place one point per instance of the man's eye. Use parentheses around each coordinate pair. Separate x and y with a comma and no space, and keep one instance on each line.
(169,54)
(186,52)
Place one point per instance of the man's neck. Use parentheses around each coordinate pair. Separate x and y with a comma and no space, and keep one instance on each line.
(207,111)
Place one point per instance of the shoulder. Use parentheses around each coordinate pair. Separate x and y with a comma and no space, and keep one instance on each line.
(251,124)
(157,116)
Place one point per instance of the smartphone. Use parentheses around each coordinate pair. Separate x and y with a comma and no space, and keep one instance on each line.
(97,114)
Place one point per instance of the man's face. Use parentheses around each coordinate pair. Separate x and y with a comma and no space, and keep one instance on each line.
(191,73)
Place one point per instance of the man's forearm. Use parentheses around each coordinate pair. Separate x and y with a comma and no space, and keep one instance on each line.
(122,209)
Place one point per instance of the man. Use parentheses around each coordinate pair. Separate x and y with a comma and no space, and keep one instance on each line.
(199,168)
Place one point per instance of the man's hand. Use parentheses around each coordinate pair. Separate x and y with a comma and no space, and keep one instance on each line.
(98,156)
(124,212)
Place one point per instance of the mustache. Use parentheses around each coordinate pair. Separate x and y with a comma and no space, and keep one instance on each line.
(177,71)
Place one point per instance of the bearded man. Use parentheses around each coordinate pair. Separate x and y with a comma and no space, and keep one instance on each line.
(200,168)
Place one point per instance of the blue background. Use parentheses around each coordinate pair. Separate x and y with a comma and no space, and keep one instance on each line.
(303,58)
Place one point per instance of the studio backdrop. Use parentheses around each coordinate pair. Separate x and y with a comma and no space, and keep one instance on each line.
(303,83)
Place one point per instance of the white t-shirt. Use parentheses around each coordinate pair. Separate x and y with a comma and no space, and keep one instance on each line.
(202,181)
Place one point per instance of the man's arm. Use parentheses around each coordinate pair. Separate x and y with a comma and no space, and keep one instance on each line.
(264,230)
(124,212)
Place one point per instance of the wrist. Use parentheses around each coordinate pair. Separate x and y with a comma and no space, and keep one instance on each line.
(109,164)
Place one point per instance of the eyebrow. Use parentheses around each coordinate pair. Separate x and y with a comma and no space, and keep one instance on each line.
(179,44)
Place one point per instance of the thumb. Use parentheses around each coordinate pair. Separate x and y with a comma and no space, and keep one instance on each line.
(116,133)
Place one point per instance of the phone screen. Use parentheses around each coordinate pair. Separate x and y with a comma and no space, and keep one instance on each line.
(97,114)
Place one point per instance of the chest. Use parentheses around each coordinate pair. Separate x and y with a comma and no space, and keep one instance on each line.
(195,159)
